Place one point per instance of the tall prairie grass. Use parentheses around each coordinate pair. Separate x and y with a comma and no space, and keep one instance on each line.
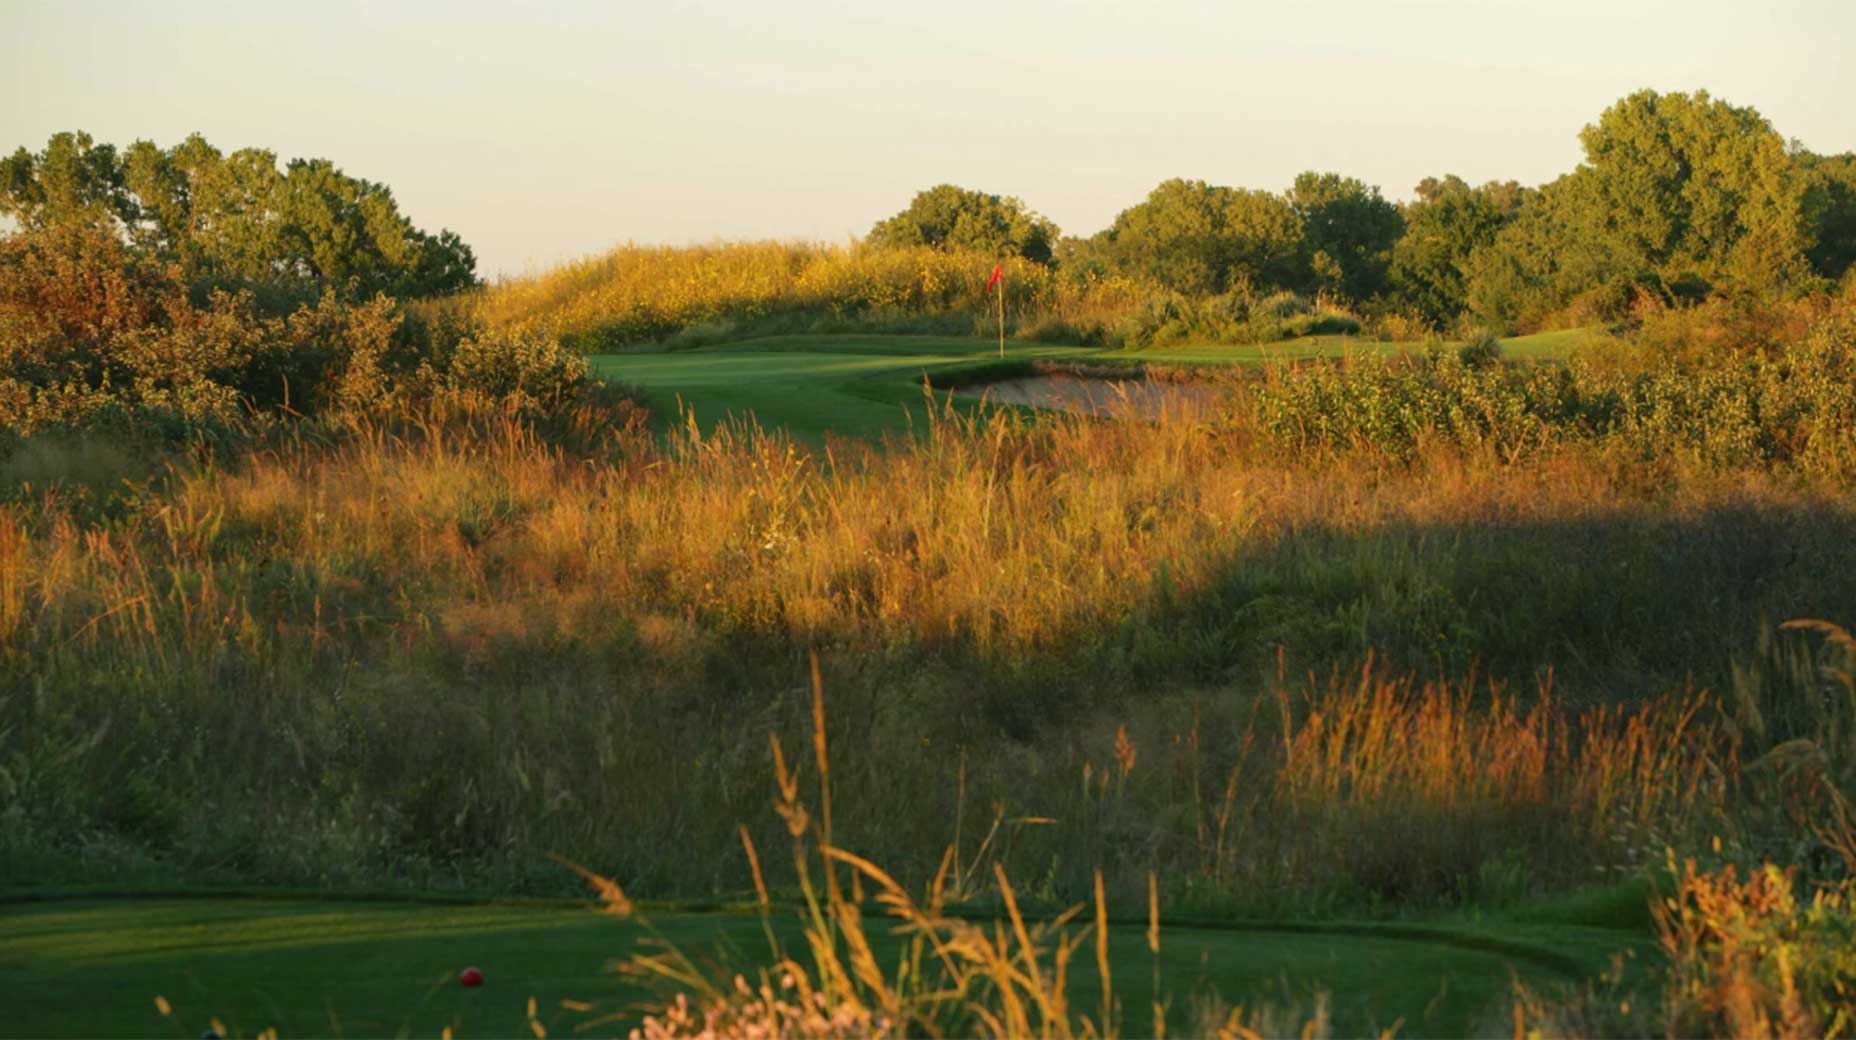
(426,650)
(691,296)
(638,294)
(954,975)
(1653,398)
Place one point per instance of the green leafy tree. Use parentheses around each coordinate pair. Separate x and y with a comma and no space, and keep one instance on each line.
(1449,221)
(1551,251)
(73,181)
(1198,238)
(1685,186)
(340,229)
(237,220)
(959,220)
(1083,258)
(237,235)
(1680,196)
(1347,233)
(1830,209)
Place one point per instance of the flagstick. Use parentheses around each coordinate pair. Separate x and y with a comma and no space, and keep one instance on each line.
(1002,312)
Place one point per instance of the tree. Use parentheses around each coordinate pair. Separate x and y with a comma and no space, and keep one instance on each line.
(73,181)
(1443,228)
(1347,232)
(1684,186)
(1830,210)
(1680,196)
(959,220)
(1549,252)
(236,220)
(1083,258)
(1199,238)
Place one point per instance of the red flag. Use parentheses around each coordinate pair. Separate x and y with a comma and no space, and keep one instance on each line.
(998,271)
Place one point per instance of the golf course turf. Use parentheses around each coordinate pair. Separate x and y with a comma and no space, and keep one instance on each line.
(94,967)
(866,385)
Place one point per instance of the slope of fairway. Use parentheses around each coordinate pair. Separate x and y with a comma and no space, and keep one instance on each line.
(806,391)
(95,967)
(868,385)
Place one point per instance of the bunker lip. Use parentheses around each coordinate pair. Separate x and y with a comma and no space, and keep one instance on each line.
(1122,394)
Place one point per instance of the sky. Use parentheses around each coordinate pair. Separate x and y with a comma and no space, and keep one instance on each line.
(543,132)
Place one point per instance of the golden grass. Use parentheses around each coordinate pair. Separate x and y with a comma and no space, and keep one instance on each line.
(1009,977)
(1083,610)
(638,293)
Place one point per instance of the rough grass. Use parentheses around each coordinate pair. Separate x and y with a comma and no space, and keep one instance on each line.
(705,294)
(430,651)
(1284,672)
(638,296)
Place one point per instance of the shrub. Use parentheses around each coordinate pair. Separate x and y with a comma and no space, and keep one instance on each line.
(529,371)
(1280,305)
(1481,352)
(94,333)
(1325,321)
(1747,959)
(1795,408)
(1399,327)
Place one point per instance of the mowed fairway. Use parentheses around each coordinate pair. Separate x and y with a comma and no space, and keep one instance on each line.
(849,385)
(95,967)
(868,385)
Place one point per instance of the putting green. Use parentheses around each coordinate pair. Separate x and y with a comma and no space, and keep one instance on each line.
(859,386)
(95,967)
(868,385)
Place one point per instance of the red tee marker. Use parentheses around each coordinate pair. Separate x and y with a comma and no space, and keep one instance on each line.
(470,977)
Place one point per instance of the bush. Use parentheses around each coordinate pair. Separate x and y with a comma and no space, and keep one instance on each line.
(1399,327)
(1064,332)
(95,334)
(1326,321)
(528,371)
(1795,408)
(1480,352)
(1280,306)
(1746,959)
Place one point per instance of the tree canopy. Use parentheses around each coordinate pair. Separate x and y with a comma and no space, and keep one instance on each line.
(236,219)
(1443,228)
(1680,196)
(1686,186)
(961,220)
(1195,237)
(1348,232)
(1830,209)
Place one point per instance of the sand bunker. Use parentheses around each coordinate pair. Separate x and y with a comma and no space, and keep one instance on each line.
(1131,398)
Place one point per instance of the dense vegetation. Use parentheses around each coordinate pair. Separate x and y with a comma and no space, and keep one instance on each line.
(181,294)
(1006,588)
(315,569)
(236,221)
(1682,198)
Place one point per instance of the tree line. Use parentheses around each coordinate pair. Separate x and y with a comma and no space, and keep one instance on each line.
(235,221)
(183,292)
(1681,197)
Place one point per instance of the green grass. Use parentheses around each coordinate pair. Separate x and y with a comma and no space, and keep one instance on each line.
(849,385)
(867,385)
(94,967)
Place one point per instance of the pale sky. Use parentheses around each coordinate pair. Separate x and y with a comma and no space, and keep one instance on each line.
(541,132)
